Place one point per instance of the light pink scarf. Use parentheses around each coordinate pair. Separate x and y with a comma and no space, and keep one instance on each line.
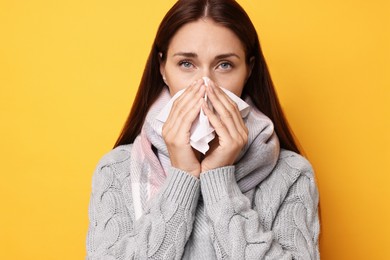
(150,160)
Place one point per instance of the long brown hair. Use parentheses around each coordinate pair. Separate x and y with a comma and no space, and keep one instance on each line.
(259,86)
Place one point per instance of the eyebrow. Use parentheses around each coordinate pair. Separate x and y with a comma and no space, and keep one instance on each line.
(194,55)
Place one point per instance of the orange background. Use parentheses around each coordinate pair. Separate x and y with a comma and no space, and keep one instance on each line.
(69,71)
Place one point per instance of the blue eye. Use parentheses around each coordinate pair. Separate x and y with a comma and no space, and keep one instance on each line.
(185,64)
(225,65)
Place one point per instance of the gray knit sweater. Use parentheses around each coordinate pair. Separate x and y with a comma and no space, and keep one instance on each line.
(206,218)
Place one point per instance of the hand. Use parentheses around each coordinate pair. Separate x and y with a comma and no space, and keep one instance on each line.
(176,130)
(231,132)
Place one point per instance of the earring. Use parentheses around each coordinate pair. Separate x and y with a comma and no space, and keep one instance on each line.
(165,80)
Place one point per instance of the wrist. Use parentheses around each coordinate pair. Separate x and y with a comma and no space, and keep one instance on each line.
(207,167)
(194,171)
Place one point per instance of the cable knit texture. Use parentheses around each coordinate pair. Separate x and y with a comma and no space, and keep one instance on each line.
(263,207)
(150,161)
(277,219)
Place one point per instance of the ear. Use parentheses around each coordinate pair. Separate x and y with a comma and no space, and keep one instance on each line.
(250,66)
(162,66)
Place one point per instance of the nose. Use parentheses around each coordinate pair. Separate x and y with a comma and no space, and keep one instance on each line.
(206,72)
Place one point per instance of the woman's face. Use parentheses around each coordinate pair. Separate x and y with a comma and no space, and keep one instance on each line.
(205,49)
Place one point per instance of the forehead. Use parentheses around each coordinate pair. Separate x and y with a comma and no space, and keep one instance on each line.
(205,36)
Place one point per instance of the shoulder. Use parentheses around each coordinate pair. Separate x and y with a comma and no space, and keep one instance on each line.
(117,155)
(291,181)
(293,165)
(301,195)
(298,174)
(113,166)
(291,170)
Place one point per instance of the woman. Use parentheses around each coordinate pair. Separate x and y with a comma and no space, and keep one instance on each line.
(250,195)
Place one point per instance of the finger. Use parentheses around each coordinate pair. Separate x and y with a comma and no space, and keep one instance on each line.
(179,100)
(227,112)
(234,104)
(181,117)
(238,120)
(219,127)
(231,106)
(182,125)
(187,108)
(190,90)
(186,101)
(171,119)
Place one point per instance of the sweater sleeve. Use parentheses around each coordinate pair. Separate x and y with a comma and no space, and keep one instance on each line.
(160,233)
(237,231)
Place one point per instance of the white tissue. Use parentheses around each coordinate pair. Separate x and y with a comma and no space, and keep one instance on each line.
(201,130)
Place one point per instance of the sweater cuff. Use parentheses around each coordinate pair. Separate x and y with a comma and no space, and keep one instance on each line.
(182,188)
(219,183)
